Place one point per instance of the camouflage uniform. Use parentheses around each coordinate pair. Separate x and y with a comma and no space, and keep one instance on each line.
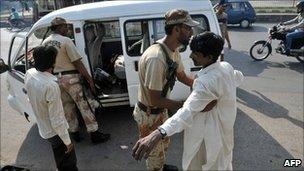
(147,123)
(71,94)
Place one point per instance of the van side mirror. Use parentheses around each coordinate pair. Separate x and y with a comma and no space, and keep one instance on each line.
(3,66)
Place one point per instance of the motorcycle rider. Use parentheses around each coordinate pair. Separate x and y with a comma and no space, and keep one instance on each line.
(295,31)
(15,19)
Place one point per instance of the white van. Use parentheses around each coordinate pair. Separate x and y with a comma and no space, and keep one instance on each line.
(111,36)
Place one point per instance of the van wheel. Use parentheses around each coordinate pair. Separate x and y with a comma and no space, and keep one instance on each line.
(244,23)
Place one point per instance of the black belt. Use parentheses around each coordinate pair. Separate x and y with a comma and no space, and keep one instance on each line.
(153,111)
(67,72)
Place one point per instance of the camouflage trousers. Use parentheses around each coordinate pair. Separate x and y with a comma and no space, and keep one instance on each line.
(147,123)
(71,95)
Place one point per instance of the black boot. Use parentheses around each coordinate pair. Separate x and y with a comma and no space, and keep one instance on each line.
(98,137)
(167,167)
(76,136)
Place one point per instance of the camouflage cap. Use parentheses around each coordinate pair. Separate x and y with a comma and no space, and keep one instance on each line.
(179,16)
(58,21)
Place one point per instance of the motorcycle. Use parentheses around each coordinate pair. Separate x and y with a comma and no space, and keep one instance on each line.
(261,49)
(16,24)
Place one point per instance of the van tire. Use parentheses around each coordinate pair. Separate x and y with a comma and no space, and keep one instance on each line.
(245,23)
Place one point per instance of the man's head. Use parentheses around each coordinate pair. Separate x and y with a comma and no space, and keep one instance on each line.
(90,33)
(206,47)
(59,25)
(45,57)
(300,6)
(178,23)
(13,9)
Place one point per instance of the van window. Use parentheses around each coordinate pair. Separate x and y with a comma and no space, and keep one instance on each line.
(246,6)
(237,6)
(112,29)
(103,44)
(137,33)
(34,39)
(137,37)
(18,64)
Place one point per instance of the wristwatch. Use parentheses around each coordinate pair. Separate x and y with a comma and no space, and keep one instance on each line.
(162,132)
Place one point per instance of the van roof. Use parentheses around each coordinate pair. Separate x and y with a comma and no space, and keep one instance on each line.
(114,9)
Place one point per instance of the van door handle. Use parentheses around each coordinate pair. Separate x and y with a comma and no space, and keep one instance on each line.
(136,66)
(24,90)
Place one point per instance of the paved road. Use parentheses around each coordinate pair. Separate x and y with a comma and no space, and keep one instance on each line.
(268,128)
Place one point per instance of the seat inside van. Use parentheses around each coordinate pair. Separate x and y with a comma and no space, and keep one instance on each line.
(104,48)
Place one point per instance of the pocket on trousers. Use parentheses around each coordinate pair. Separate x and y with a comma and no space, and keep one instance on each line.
(138,115)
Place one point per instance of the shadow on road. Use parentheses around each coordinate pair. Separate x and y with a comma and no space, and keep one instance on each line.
(254,148)
(296,66)
(241,60)
(264,105)
(36,154)
(254,28)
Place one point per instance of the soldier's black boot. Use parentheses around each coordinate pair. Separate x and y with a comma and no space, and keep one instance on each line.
(167,167)
(98,137)
(76,136)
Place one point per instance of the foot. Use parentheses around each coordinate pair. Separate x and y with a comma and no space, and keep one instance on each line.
(76,136)
(98,137)
(169,168)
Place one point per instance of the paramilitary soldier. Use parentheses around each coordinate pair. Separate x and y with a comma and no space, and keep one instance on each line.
(69,69)
(158,67)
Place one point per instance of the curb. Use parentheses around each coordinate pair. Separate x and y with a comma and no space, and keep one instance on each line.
(274,17)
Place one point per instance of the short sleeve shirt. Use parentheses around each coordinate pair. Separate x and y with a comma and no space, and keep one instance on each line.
(67,52)
(152,70)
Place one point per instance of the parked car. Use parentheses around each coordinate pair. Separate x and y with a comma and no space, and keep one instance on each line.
(239,12)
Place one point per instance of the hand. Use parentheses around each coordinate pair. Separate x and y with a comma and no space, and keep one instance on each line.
(210,106)
(145,145)
(69,148)
(229,45)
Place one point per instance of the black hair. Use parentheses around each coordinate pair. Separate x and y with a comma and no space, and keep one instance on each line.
(44,57)
(207,43)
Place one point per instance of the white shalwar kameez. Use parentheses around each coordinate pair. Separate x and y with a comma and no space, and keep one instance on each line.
(208,136)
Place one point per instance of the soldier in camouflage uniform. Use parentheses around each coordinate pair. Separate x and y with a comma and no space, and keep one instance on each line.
(151,110)
(69,70)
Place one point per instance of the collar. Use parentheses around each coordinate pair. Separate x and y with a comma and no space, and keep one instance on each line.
(49,75)
(208,68)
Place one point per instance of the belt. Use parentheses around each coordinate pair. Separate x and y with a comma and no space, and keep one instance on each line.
(153,111)
(67,72)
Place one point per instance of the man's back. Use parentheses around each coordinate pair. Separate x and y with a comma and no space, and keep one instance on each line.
(42,89)
(67,52)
